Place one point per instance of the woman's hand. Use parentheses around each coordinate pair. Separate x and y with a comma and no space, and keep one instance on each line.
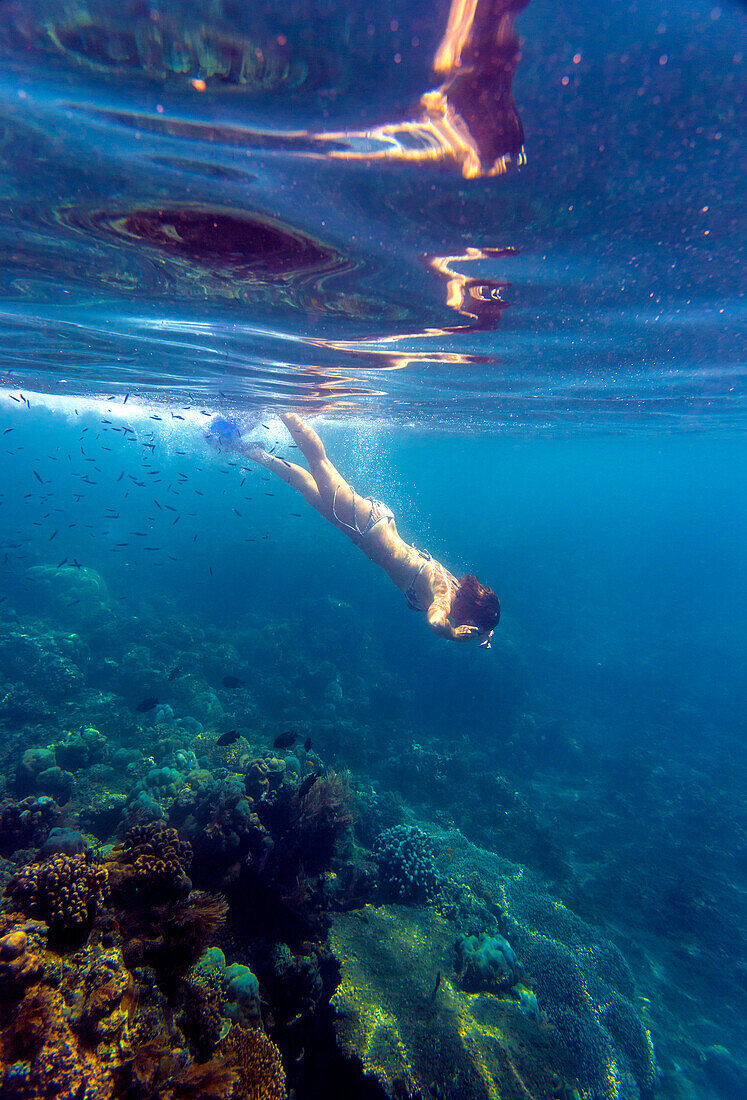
(465,633)
(438,621)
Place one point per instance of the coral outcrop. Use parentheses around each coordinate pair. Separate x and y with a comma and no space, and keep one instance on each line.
(258,1064)
(407,871)
(65,891)
(400,1012)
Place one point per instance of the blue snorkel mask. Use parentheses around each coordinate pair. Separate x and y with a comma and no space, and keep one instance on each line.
(244,434)
(224,432)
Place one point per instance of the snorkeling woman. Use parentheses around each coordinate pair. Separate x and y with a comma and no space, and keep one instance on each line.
(460,610)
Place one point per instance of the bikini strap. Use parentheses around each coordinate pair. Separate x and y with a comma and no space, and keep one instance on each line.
(372,519)
(339,519)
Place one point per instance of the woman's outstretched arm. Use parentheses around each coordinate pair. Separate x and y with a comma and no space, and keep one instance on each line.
(438,612)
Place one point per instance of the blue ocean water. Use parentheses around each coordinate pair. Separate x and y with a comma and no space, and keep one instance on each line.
(215,209)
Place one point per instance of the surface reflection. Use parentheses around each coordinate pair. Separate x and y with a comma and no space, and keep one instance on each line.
(470,119)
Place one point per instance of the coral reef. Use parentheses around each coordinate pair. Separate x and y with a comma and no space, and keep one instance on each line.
(27,823)
(398,1010)
(164,852)
(407,869)
(258,1064)
(65,891)
(486,963)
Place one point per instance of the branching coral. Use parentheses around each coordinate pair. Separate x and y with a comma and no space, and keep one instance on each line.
(152,856)
(65,891)
(258,1064)
(407,870)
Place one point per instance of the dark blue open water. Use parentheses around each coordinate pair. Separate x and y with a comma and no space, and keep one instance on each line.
(226,208)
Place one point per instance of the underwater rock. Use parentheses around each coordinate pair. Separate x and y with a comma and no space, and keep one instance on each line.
(78,595)
(61,1018)
(399,1013)
(190,725)
(21,960)
(40,1057)
(26,824)
(33,762)
(80,750)
(725,1073)
(242,995)
(66,842)
(122,758)
(56,782)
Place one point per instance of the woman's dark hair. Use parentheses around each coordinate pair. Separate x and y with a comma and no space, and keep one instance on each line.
(475,603)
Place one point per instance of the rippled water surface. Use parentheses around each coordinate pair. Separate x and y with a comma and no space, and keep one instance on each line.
(202,198)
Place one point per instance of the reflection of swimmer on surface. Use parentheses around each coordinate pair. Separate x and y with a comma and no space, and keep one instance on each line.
(461,610)
(471,117)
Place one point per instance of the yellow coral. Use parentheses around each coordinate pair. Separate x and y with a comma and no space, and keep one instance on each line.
(258,1063)
(40,1057)
(65,891)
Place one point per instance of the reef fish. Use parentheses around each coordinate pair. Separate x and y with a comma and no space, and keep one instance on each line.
(285,740)
(305,785)
(232,682)
(174,673)
(147,704)
(228,738)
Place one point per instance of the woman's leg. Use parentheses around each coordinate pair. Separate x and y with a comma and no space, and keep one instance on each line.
(339,501)
(291,474)
(325,474)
